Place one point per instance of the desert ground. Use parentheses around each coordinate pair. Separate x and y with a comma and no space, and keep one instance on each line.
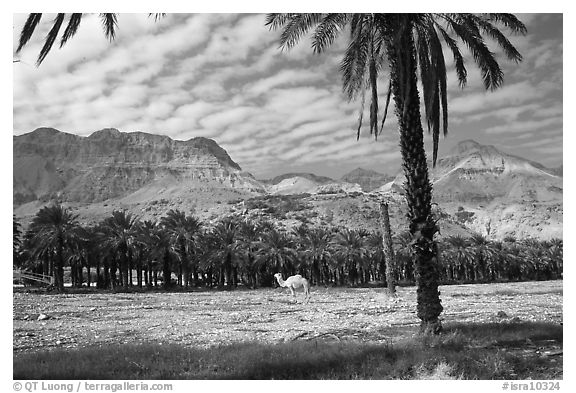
(208,318)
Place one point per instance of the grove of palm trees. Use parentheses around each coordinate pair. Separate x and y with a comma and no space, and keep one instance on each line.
(180,251)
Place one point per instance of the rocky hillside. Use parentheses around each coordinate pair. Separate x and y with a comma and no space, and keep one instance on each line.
(495,193)
(143,173)
(477,188)
(472,172)
(304,185)
(109,164)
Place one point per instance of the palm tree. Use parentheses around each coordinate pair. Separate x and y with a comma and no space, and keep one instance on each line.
(318,249)
(226,251)
(407,43)
(250,235)
(404,262)
(16,240)
(162,250)
(459,258)
(351,247)
(120,233)
(555,248)
(276,251)
(55,228)
(183,230)
(145,239)
(487,256)
(376,254)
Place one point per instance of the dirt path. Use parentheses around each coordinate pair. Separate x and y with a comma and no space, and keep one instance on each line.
(267,315)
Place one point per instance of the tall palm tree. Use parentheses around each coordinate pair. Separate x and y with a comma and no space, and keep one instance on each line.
(406,44)
(183,230)
(55,228)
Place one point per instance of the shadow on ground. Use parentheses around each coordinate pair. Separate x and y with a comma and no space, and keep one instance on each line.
(462,351)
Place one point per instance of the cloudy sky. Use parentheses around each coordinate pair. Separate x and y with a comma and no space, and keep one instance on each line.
(222,76)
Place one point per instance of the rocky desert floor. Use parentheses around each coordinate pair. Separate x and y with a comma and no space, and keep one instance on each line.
(205,318)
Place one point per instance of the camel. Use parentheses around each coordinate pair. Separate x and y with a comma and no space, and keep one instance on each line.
(295,282)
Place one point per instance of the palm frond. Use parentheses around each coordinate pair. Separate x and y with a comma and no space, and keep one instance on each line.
(492,75)
(296,28)
(374,100)
(50,38)
(157,17)
(71,28)
(110,23)
(361,113)
(510,21)
(28,30)
(354,63)
(458,59)
(388,95)
(327,31)
(277,20)
(509,50)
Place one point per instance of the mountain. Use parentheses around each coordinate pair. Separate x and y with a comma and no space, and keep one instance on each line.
(304,185)
(495,193)
(473,172)
(308,176)
(293,185)
(367,179)
(110,164)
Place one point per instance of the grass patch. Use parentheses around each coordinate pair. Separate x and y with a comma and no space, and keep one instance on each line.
(462,351)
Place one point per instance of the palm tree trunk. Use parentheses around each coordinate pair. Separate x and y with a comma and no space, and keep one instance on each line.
(228,270)
(130,266)
(316,270)
(59,268)
(166,272)
(107,274)
(418,187)
(387,247)
(98,277)
(139,270)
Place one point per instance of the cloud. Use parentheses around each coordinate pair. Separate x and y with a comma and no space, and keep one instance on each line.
(525,126)
(290,77)
(514,94)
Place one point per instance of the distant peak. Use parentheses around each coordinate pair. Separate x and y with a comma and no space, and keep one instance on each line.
(46,133)
(46,130)
(105,132)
